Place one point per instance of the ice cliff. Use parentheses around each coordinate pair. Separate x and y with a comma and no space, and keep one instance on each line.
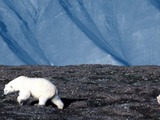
(65,32)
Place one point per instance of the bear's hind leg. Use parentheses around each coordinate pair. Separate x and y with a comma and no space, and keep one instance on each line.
(23,95)
(57,101)
(42,100)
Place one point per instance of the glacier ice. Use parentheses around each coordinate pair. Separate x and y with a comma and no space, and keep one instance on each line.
(68,32)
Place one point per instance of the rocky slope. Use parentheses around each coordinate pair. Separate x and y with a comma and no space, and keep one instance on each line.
(92,92)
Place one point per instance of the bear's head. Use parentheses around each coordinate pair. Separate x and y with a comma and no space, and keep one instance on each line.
(8,89)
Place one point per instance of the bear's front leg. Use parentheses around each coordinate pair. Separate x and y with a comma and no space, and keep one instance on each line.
(23,95)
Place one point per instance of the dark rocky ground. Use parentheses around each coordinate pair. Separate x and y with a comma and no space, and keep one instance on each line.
(89,92)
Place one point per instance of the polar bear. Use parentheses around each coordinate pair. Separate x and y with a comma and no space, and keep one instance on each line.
(158,99)
(40,88)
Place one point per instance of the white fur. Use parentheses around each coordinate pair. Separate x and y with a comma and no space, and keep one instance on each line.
(158,99)
(40,88)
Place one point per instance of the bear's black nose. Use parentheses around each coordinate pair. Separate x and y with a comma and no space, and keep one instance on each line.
(3,95)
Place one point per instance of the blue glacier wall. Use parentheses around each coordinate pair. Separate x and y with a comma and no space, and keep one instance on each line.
(69,32)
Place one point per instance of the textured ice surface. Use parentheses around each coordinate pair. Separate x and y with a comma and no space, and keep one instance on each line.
(63,32)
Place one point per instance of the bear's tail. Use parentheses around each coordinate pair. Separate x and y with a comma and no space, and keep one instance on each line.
(56,92)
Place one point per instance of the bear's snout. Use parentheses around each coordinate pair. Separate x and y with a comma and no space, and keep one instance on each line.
(5,93)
